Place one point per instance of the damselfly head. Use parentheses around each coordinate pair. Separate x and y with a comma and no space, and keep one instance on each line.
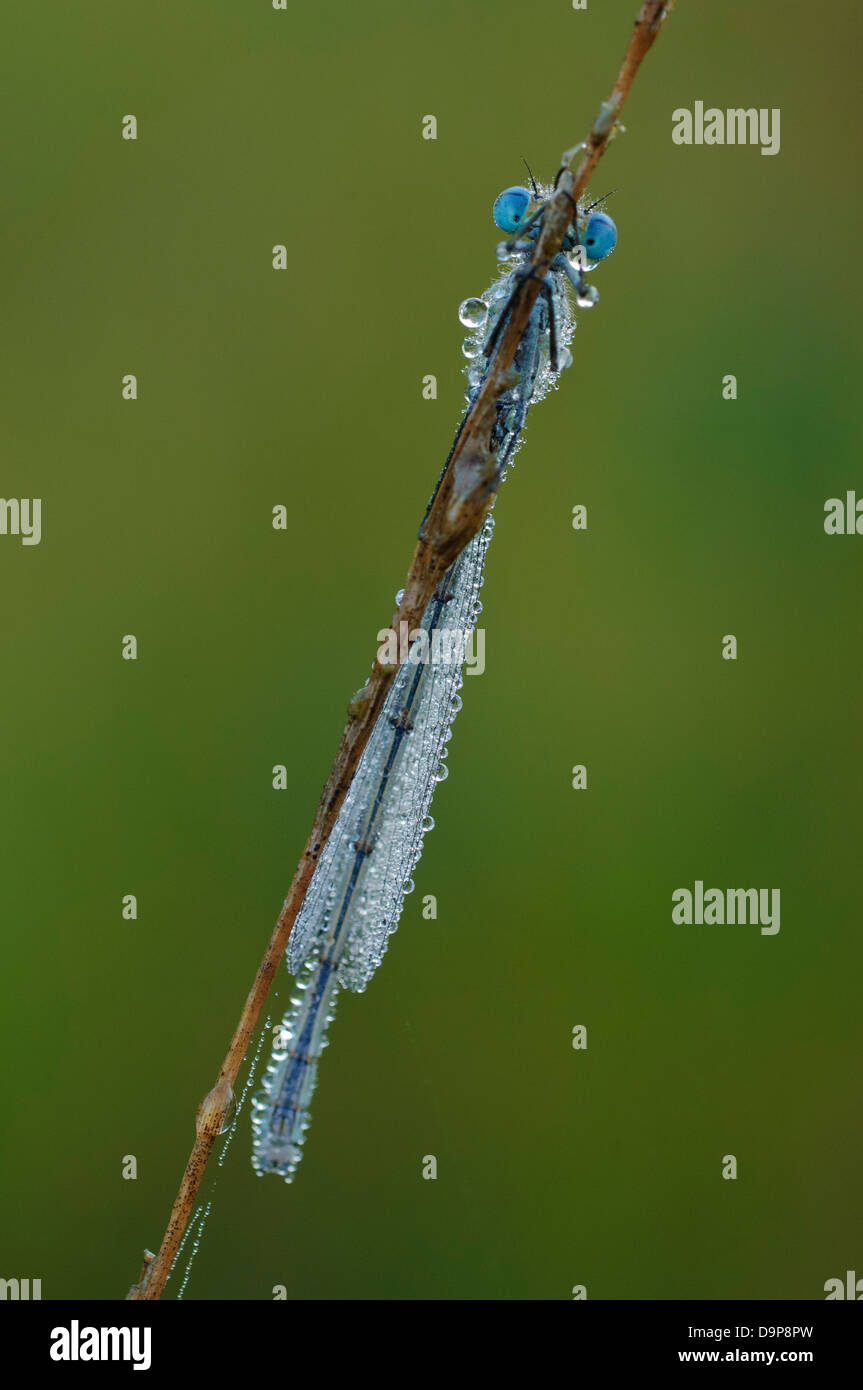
(600,236)
(511,207)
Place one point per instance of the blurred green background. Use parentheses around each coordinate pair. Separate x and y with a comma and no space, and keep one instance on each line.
(303,387)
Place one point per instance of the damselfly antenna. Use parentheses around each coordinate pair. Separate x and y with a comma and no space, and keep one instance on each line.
(601,200)
(532,179)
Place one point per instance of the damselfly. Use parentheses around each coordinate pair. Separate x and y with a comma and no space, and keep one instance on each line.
(355,898)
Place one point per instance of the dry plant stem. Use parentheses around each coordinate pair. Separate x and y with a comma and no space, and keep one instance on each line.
(460,506)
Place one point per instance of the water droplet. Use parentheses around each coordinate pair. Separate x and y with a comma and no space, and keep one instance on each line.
(228,1117)
(471,348)
(221,1098)
(586,297)
(473,313)
(564,359)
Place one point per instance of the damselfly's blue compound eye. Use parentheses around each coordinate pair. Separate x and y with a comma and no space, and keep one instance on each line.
(510,207)
(600,236)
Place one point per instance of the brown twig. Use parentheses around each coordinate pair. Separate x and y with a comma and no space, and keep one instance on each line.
(459,507)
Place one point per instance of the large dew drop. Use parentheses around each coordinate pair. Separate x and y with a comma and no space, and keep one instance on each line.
(473,313)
